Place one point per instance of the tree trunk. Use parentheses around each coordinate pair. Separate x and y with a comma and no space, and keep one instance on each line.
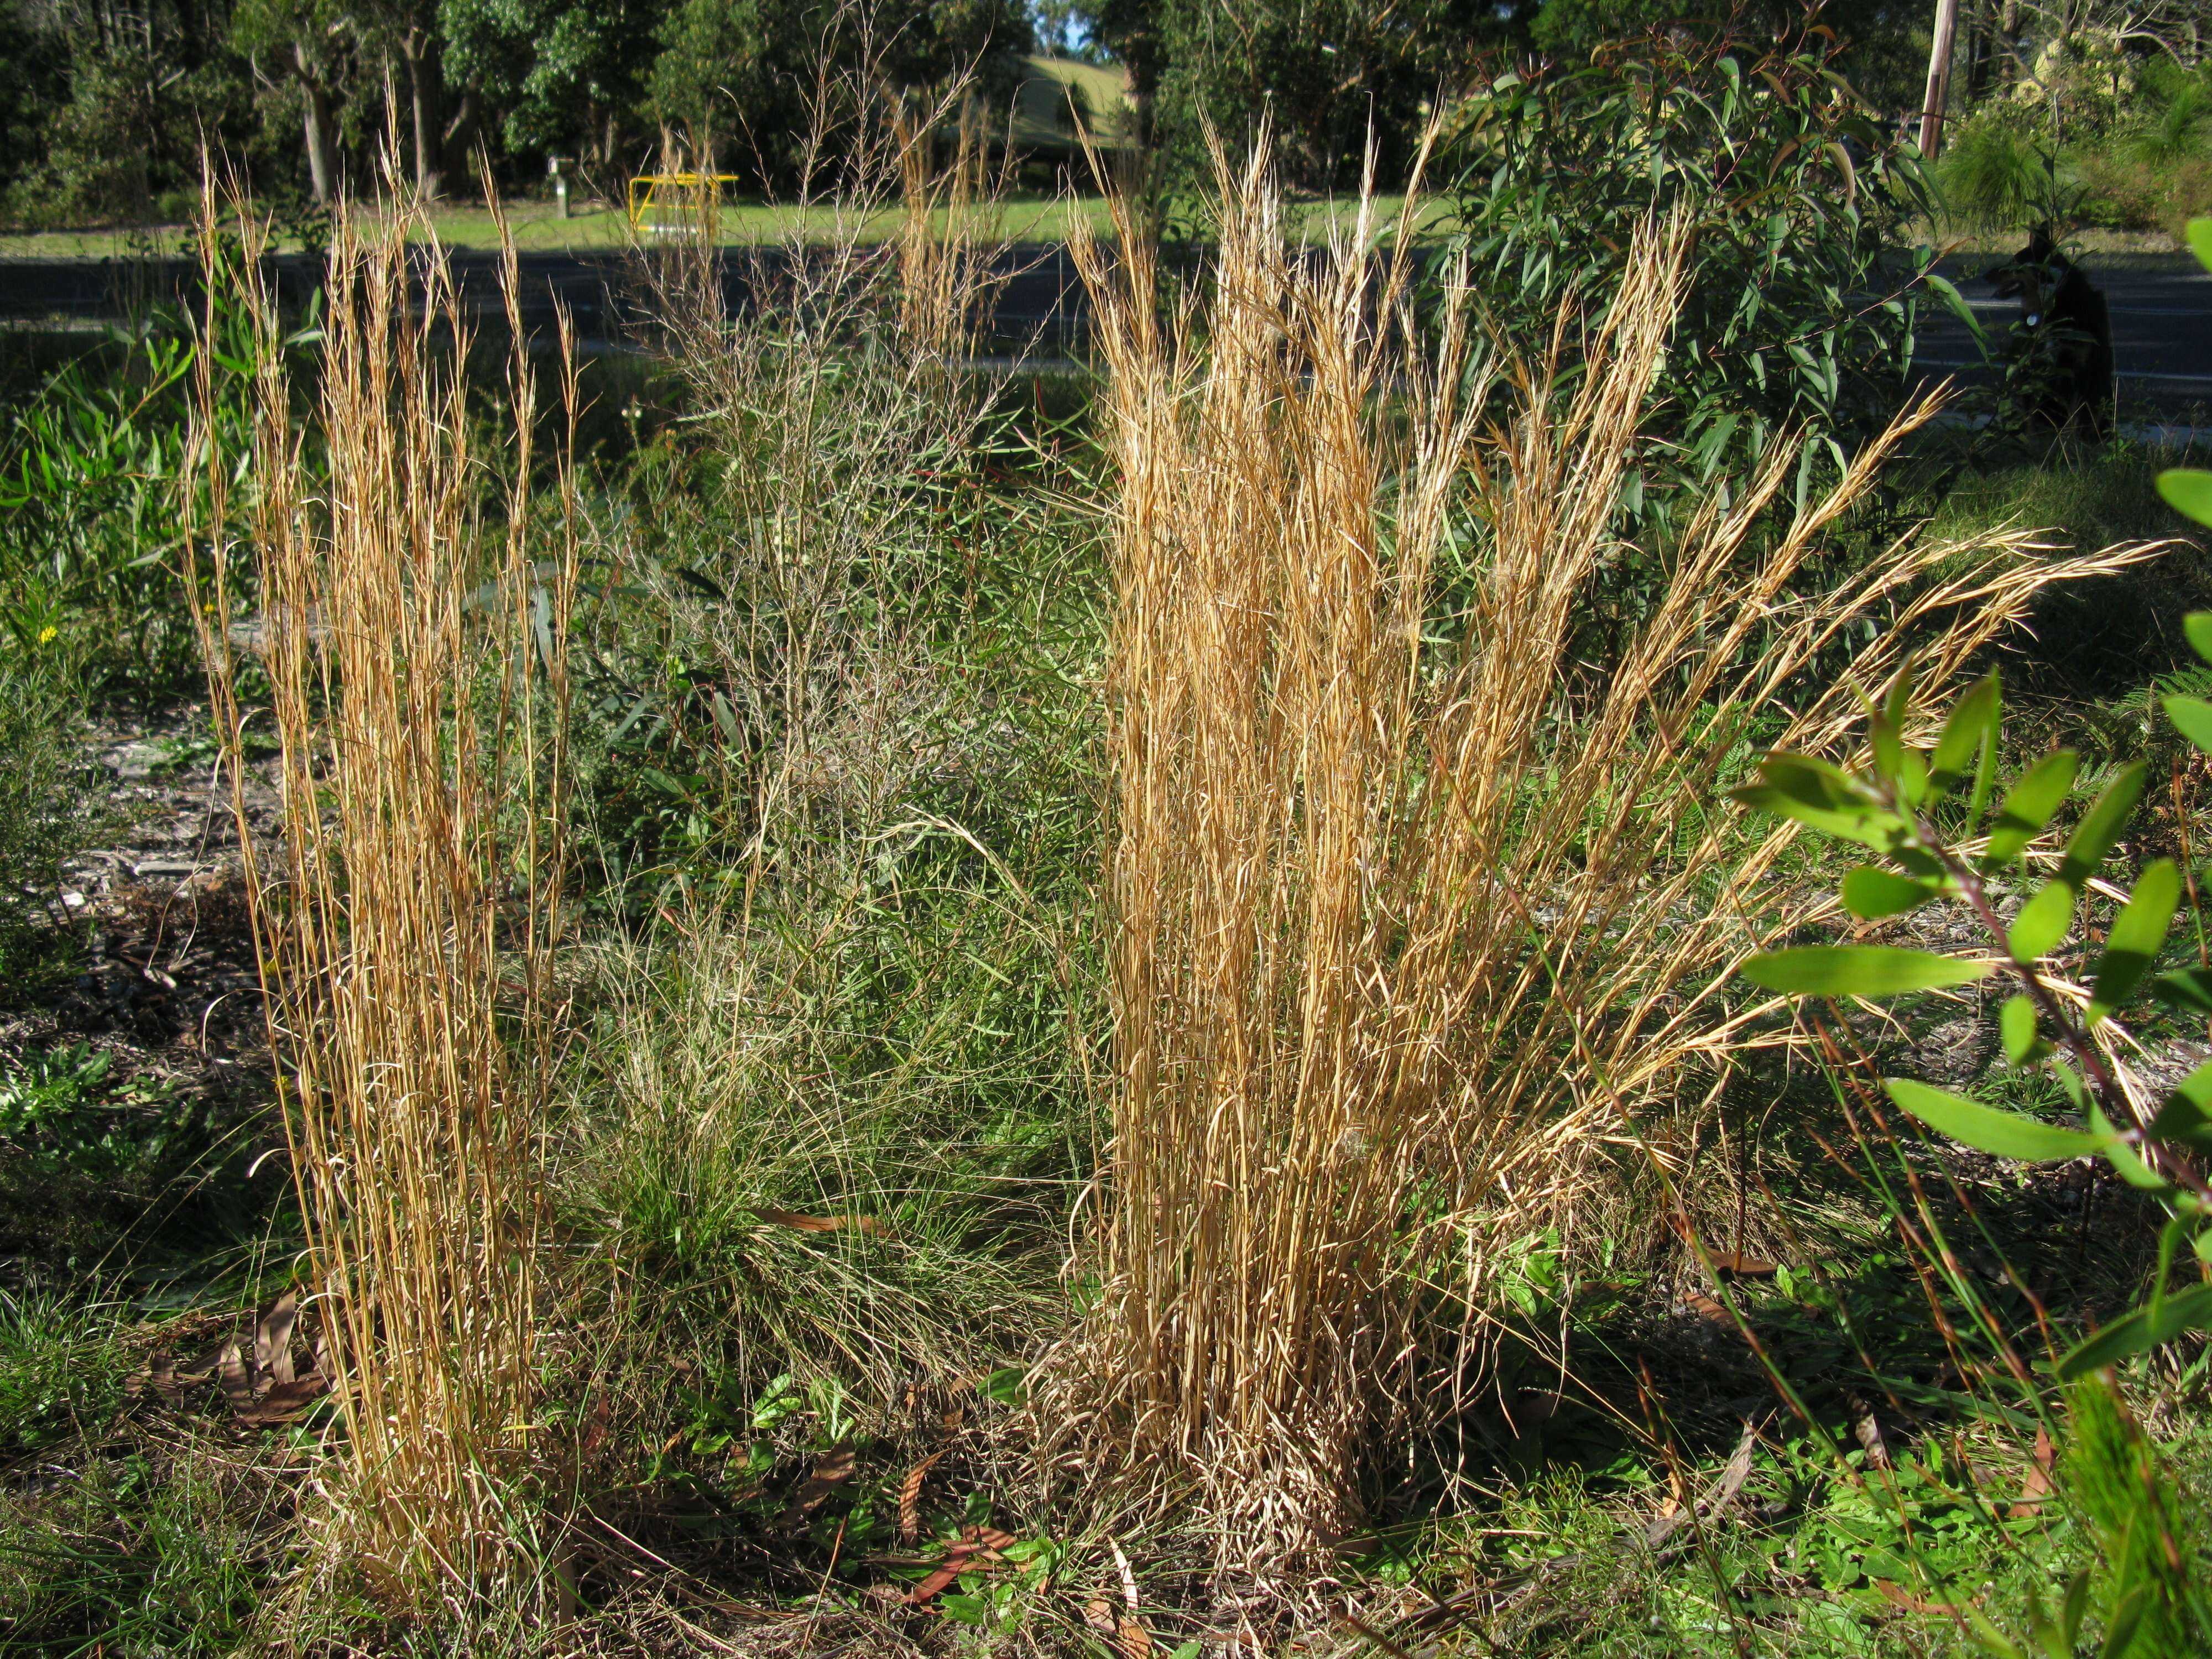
(317,100)
(1939,78)
(426,100)
(461,139)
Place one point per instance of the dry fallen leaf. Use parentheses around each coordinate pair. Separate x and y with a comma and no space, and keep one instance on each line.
(1726,1262)
(1134,1639)
(833,1470)
(273,1341)
(285,1401)
(237,1381)
(822,1224)
(961,1556)
(910,1499)
(2037,1486)
(1715,1497)
(1867,1431)
(1705,1308)
(1098,1613)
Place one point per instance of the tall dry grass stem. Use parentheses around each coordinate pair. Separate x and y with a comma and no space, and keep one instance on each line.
(412,612)
(1420,911)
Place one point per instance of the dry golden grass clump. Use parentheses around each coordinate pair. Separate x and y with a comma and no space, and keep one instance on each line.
(1420,911)
(413,646)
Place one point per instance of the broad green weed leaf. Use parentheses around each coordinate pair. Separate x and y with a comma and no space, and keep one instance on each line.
(2186,1311)
(2188,491)
(2029,804)
(2192,718)
(1870,894)
(1857,970)
(2016,1025)
(2100,827)
(2042,922)
(2200,241)
(2138,935)
(1985,1128)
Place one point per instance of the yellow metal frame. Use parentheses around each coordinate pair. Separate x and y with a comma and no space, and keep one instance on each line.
(696,190)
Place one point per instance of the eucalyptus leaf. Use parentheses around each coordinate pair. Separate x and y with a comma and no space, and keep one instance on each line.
(2100,826)
(2189,989)
(2199,232)
(1971,716)
(2029,804)
(2188,490)
(1858,970)
(1986,1128)
(2016,1026)
(2146,1327)
(2137,935)
(2042,922)
(2192,717)
(1870,893)
(2197,627)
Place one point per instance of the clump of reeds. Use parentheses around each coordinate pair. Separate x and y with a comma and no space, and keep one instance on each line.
(1418,909)
(411,639)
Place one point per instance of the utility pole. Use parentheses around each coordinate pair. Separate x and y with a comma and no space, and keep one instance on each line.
(1939,78)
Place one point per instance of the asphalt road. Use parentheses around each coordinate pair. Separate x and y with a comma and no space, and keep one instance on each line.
(2162,312)
(2161,307)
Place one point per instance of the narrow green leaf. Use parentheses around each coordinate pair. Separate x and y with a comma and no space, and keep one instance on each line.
(1955,302)
(2133,1332)
(1912,777)
(2138,935)
(1870,894)
(2124,1157)
(1899,703)
(2192,718)
(2042,922)
(2016,1025)
(2189,989)
(1971,715)
(2100,827)
(2029,804)
(2188,491)
(1857,970)
(2002,1135)
(2072,1611)
(2127,1618)
(1985,772)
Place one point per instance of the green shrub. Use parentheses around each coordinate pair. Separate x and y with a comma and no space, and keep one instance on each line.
(1797,192)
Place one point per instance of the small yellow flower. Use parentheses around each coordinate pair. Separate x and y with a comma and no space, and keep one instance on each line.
(47,634)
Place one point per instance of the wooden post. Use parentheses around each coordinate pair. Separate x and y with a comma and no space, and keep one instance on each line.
(1939,78)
